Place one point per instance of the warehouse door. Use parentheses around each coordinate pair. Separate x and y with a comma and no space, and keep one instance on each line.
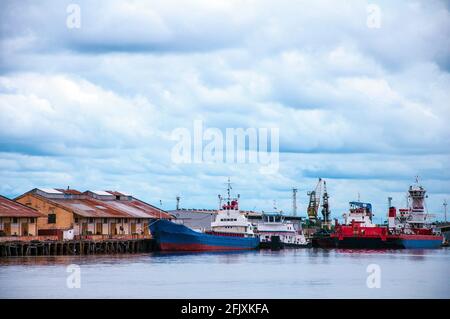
(24,229)
(99,228)
(113,229)
(7,228)
(84,228)
(133,228)
(145,228)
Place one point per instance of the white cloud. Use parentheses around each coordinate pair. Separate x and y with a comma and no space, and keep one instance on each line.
(94,107)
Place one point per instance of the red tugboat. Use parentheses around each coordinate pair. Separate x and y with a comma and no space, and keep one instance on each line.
(413,227)
(358,231)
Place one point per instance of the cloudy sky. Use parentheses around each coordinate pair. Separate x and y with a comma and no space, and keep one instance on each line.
(364,106)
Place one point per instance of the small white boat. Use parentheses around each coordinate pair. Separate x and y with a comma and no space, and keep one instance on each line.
(275,232)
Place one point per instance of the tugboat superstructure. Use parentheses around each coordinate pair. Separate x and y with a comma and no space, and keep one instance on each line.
(414,226)
(275,232)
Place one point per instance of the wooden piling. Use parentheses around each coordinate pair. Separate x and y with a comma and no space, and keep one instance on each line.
(75,247)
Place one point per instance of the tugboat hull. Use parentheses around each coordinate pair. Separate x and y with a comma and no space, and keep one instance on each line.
(354,243)
(420,241)
(363,243)
(175,237)
(391,242)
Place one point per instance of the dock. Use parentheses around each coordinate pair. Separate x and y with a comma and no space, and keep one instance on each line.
(75,247)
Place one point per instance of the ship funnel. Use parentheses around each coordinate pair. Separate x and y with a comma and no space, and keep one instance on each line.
(391,217)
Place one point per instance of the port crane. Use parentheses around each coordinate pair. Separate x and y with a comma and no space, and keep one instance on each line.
(317,197)
(314,201)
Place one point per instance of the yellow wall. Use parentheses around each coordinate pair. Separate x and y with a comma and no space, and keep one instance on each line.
(17,229)
(108,229)
(64,218)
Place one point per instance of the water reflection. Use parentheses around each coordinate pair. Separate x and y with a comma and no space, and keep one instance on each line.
(302,273)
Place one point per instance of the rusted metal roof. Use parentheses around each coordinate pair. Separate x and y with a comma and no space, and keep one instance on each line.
(50,190)
(91,207)
(116,193)
(87,206)
(69,191)
(10,208)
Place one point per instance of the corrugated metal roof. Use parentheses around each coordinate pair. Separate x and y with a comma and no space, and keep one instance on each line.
(101,193)
(92,207)
(50,191)
(10,208)
(69,191)
(115,193)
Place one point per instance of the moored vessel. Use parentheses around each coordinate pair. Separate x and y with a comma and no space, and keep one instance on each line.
(275,232)
(230,231)
(413,227)
(358,231)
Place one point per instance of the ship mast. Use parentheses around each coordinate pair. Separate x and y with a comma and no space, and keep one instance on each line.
(230,203)
(229,190)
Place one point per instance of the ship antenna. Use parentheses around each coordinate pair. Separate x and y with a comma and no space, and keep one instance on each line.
(229,189)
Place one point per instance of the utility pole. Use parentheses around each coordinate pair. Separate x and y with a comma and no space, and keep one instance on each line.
(445,210)
(294,201)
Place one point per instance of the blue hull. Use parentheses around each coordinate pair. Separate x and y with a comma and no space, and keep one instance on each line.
(175,237)
(419,244)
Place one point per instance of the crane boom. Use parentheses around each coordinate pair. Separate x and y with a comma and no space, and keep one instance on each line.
(314,201)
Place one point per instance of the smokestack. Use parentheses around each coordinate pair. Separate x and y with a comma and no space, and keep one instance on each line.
(178,202)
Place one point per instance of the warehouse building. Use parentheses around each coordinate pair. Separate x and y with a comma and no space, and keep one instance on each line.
(92,214)
(17,219)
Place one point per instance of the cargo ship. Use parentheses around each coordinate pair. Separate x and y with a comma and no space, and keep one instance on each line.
(413,227)
(358,231)
(230,231)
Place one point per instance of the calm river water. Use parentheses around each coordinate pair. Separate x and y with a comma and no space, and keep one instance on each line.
(303,273)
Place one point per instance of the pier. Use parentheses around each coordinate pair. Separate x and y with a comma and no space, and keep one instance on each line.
(75,247)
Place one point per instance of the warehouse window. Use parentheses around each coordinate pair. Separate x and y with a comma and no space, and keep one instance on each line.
(91,220)
(76,220)
(51,219)
(32,220)
(105,220)
(15,220)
